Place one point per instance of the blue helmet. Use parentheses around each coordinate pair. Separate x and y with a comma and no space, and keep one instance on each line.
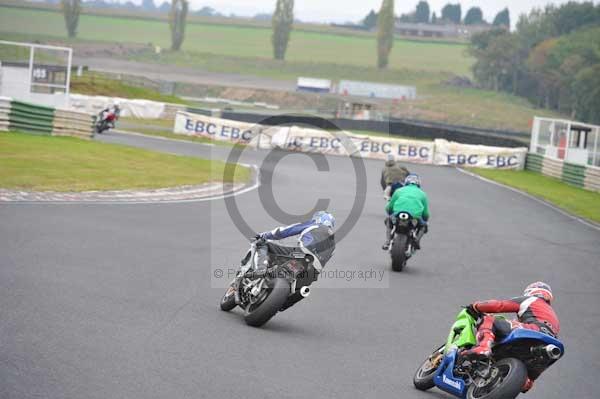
(412,179)
(324,218)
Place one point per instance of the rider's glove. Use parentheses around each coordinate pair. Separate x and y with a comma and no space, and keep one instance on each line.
(474,313)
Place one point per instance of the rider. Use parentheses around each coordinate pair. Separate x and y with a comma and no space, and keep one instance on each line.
(316,239)
(392,176)
(412,200)
(111,109)
(534,312)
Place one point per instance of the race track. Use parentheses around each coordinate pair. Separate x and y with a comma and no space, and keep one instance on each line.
(115,301)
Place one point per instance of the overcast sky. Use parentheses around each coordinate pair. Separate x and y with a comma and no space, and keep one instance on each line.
(354,10)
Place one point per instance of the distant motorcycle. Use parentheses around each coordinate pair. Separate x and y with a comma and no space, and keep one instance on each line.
(402,247)
(106,120)
(500,377)
(285,282)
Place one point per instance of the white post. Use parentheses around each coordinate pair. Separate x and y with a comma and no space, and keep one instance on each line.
(596,149)
(68,88)
(535,132)
(31,54)
(568,141)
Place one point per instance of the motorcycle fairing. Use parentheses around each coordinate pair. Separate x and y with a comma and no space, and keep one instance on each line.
(444,377)
(521,333)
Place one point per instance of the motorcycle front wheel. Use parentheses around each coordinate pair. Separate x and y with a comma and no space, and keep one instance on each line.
(228,300)
(277,296)
(423,379)
(507,380)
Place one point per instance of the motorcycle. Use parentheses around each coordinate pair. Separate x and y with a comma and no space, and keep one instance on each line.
(106,120)
(404,235)
(501,377)
(261,295)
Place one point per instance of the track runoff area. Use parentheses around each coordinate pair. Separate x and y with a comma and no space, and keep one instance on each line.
(122,301)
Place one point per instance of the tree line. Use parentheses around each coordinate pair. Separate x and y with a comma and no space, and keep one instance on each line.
(552,59)
(450,14)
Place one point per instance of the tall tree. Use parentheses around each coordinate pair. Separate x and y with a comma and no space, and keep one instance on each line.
(502,18)
(474,16)
(586,89)
(370,20)
(177,19)
(434,18)
(422,12)
(283,21)
(452,13)
(148,5)
(71,10)
(385,34)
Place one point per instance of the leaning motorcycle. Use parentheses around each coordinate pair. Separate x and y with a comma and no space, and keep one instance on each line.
(502,376)
(105,121)
(261,295)
(402,246)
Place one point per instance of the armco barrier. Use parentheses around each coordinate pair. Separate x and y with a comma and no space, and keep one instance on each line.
(32,118)
(582,176)
(395,127)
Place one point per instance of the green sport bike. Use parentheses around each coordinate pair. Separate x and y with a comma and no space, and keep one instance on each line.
(501,377)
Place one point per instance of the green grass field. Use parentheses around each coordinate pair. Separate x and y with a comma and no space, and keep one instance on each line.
(233,40)
(575,200)
(44,163)
(246,50)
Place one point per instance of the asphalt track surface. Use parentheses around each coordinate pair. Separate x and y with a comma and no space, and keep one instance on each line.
(116,301)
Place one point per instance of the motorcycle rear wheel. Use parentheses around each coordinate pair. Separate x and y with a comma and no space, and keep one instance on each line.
(275,300)
(398,252)
(423,379)
(511,378)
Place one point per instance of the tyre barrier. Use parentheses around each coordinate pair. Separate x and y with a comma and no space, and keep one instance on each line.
(37,119)
(582,176)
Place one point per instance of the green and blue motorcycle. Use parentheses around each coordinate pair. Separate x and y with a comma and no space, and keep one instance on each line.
(521,353)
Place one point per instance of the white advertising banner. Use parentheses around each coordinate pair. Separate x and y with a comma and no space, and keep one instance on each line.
(440,152)
(346,143)
(478,156)
(216,128)
(143,109)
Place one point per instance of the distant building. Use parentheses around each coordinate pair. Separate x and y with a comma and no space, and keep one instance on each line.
(443,31)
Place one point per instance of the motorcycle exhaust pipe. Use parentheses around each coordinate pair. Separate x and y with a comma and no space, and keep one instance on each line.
(305,291)
(553,352)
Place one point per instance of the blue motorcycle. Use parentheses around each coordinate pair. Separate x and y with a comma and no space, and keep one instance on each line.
(520,354)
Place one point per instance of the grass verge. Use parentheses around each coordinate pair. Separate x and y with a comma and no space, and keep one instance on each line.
(44,163)
(162,128)
(575,200)
(97,85)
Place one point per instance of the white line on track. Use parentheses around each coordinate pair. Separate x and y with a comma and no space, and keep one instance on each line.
(150,136)
(254,186)
(536,199)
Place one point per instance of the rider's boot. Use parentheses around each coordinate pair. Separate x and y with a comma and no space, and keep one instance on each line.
(388,235)
(527,386)
(485,339)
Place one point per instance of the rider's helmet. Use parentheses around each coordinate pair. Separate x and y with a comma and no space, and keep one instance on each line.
(540,290)
(390,160)
(412,179)
(324,218)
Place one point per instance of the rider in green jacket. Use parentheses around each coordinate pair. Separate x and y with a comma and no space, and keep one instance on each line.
(410,199)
